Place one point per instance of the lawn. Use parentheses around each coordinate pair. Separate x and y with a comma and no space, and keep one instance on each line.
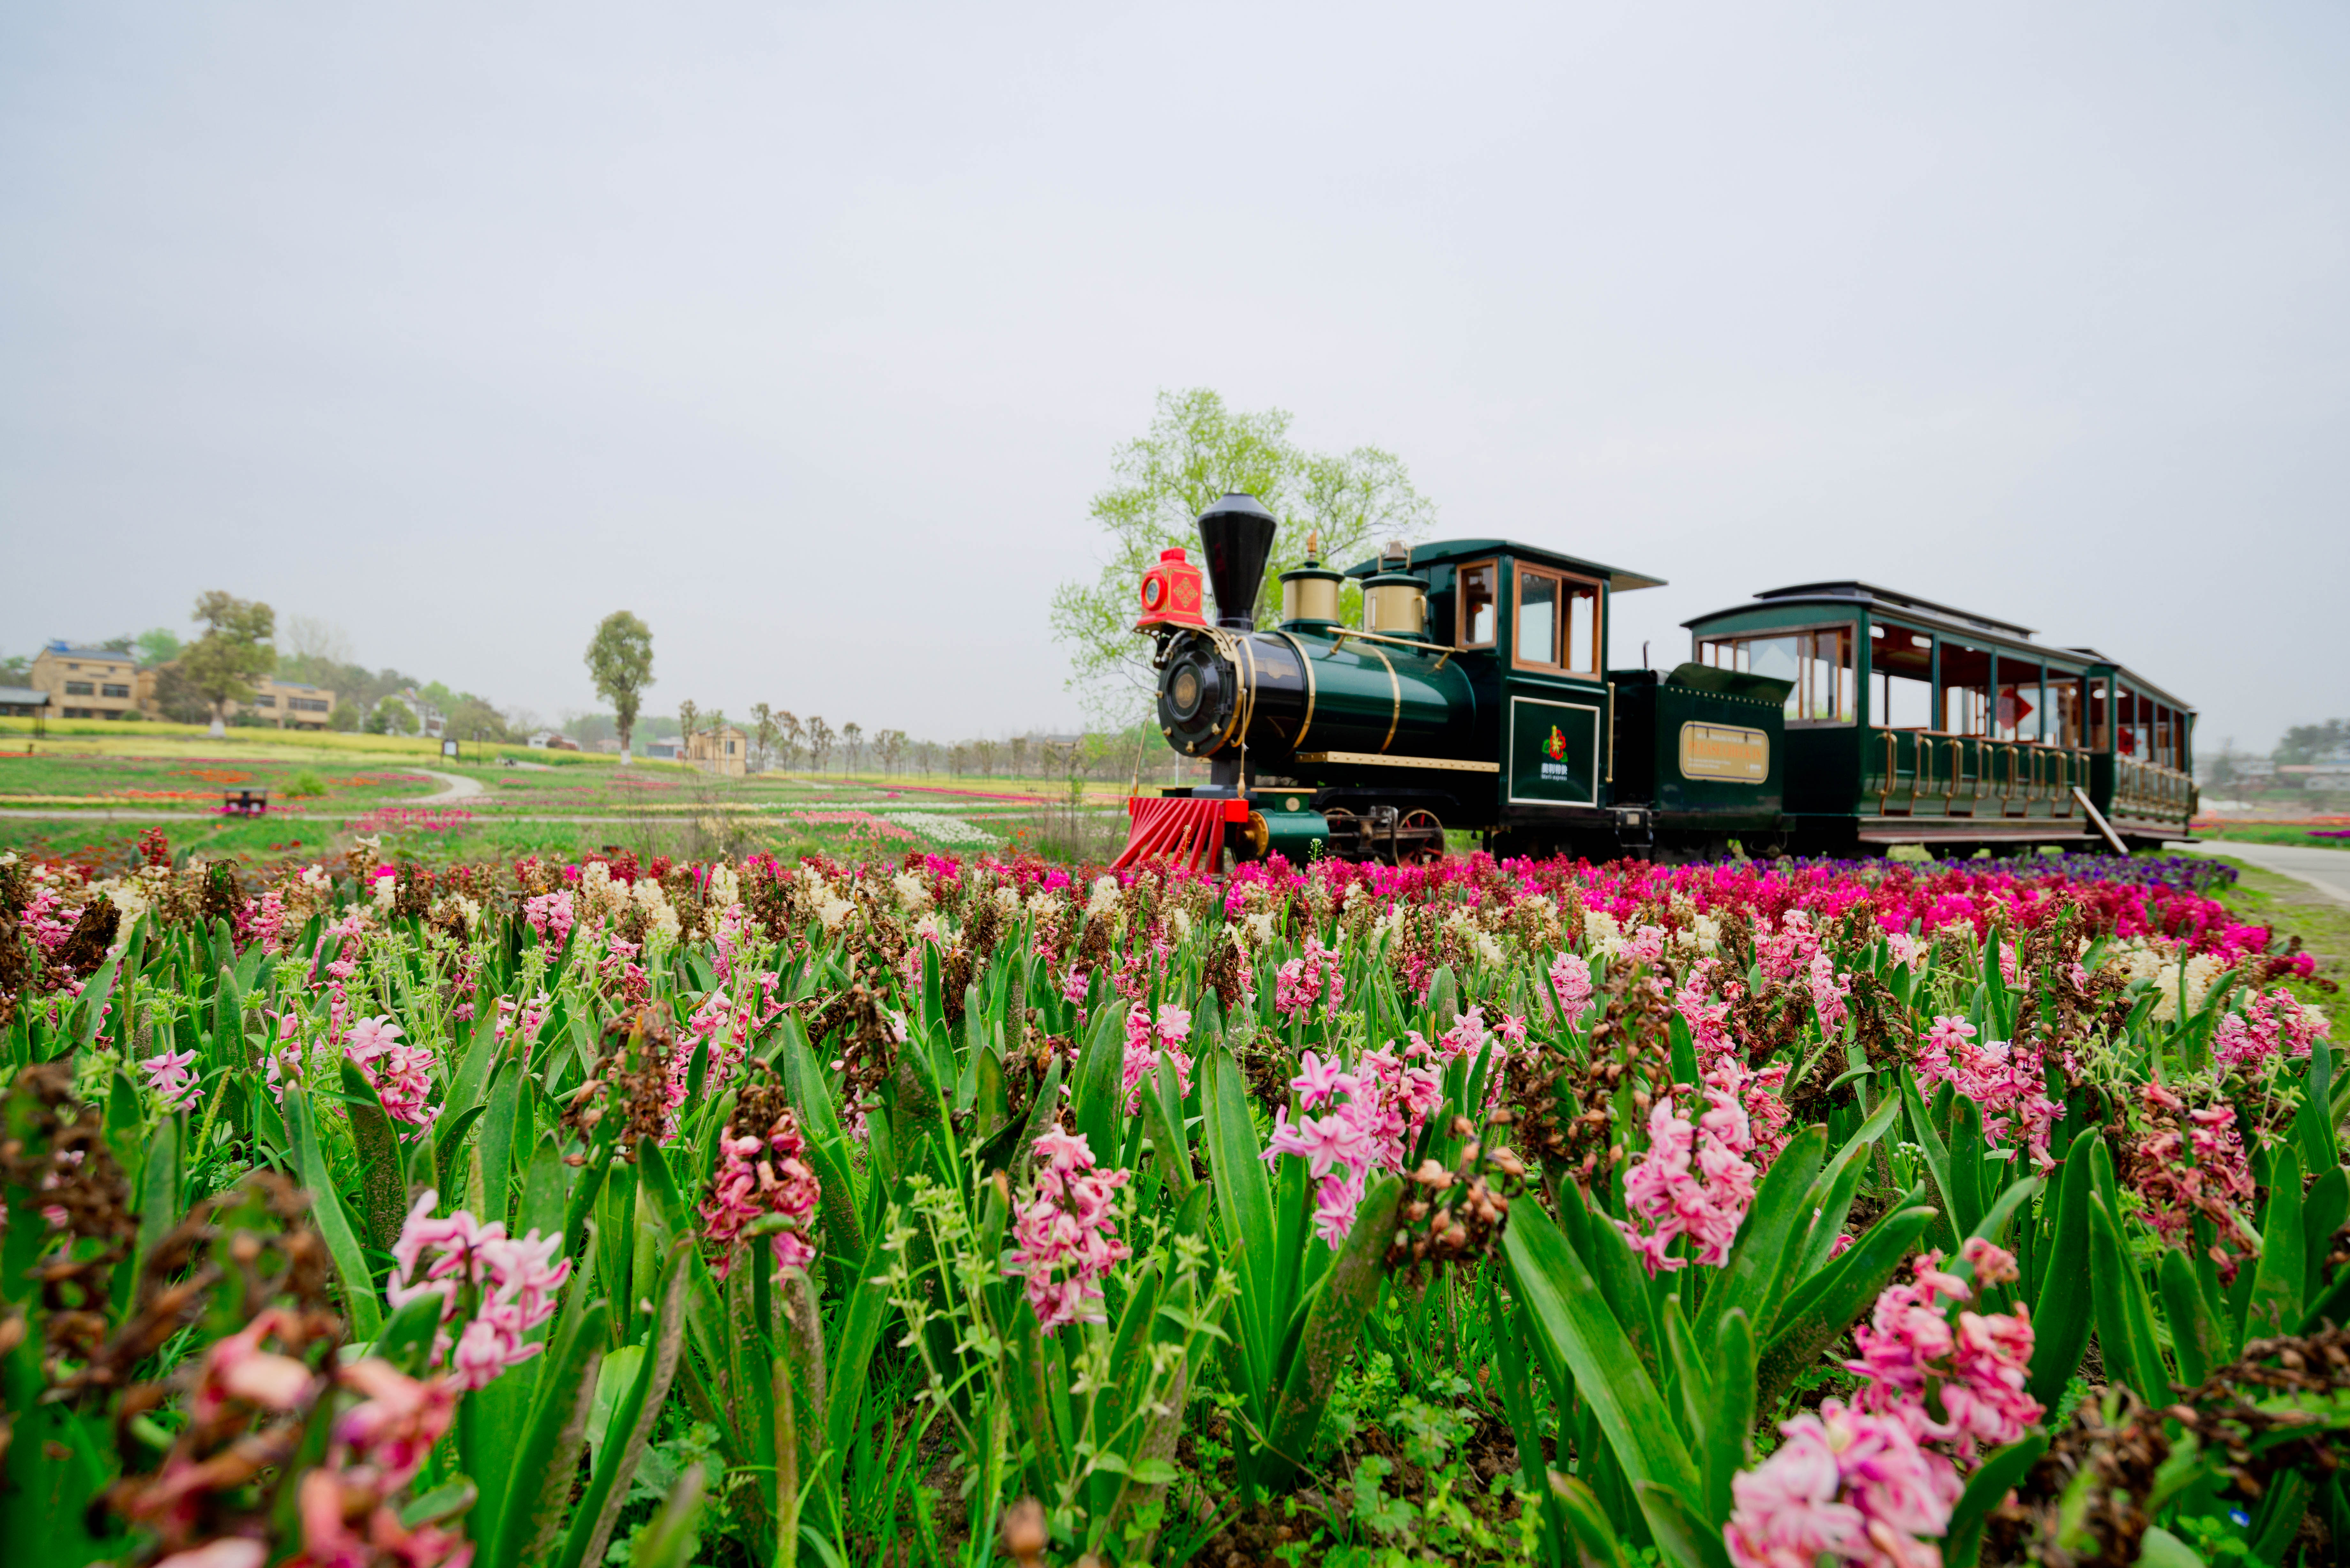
(2297,910)
(197,783)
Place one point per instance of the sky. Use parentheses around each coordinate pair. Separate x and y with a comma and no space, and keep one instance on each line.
(807,333)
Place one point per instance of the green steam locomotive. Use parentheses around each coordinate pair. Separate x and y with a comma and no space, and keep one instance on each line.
(1476,702)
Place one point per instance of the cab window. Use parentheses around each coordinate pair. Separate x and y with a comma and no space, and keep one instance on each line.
(1557,622)
(1473,626)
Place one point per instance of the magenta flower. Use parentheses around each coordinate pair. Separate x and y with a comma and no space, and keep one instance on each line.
(1066,1236)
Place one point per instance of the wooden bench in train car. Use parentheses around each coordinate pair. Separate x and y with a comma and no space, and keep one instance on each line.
(244,802)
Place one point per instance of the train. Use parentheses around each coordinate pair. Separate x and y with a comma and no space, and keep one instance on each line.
(1472,704)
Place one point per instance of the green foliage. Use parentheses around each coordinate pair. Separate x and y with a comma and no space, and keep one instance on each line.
(1197,450)
(1243,1382)
(234,652)
(621,662)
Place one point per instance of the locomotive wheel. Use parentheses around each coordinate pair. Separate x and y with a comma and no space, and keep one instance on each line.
(1419,838)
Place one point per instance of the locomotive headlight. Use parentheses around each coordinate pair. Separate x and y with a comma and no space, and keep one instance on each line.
(1184,692)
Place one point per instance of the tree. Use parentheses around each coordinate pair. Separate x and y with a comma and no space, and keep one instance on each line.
(819,740)
(346,718)
(157,646)
(787,736)
(688,718)
(234,652)
(763,737)
(890,744)
(852,743)
(392,717)
(620,661)
(1197,450)
(2310,743)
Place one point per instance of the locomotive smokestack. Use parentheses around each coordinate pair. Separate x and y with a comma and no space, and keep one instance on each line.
(1237,534)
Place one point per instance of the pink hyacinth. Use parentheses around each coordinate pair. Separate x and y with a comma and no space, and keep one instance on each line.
(399,1073)
(1065,1238)
(2269,1026)
(1828,990)
(2008,1085)
(1372,1112)
(757,1177)
(550,914)
(1787,952)
(515,1284)
(167,1076)
(1975,1365)
(1845,1482)
(1668,1199)
(1312,977)
(1144,1040)
(1570,979)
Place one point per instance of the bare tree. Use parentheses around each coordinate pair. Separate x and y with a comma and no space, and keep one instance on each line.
(819,741)
(852,742)
(890,745)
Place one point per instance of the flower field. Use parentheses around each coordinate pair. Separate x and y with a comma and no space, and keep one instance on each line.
(957,1209)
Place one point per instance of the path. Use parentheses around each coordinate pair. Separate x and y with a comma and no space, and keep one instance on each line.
(452,787)
(2327,870)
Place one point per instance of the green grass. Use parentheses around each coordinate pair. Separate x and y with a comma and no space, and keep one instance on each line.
(195,783)
(2272,833)
(2297,910)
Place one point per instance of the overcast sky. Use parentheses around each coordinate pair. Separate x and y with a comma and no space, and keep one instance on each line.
(807,333)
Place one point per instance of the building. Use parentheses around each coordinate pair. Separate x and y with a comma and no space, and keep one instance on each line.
(290,704)
(658,751)
(24,702)
(551,741)
(279,704)
(725,751)
(88,682)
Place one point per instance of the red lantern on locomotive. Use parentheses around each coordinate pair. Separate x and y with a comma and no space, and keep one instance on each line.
(1170,593)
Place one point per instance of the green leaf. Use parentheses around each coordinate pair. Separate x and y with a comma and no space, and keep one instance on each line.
(1245,1202)
(1751,1277)
(632,1421)
(1163,1114)
(326,1208)
(2324,1208)
(2062,1318)
(1938,1162)
(1835,1300)
(442,1504)
(159,1193)
(1335,1313)
(669,1541)
(1568,1310)
(1097,1104)
(2000,1472)
(2157,1547)
(1683,1536)
(1594,1534)
(1834,1194)
(2276,1305)
(383,1187)
(2195,1337)
(2125,1316)
(1731,1421)
(546,1465)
